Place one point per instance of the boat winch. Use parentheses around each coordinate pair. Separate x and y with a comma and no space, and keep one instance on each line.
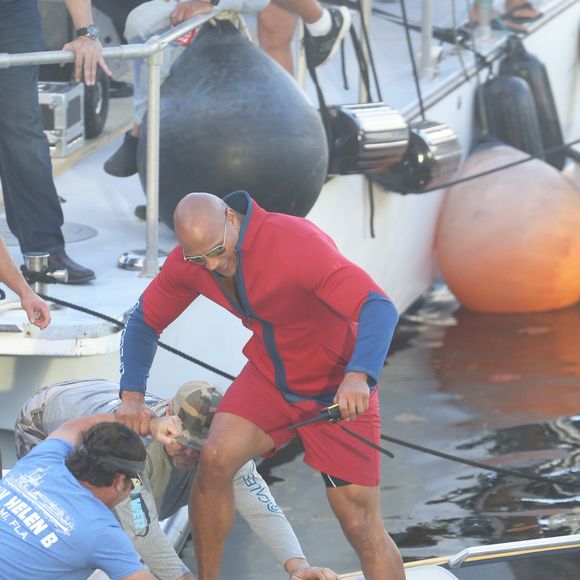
(366,138)
(431,159)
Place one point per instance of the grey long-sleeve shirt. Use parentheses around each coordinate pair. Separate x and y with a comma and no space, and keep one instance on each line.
(166,488)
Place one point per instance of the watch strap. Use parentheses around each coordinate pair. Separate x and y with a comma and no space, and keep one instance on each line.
(92,31)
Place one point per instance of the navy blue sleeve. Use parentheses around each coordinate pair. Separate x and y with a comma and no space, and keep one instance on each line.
(138,347)
(376,325)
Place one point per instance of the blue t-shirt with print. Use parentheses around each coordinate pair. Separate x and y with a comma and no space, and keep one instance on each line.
(52,527)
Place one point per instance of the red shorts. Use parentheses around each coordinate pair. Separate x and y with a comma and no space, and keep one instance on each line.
(328,448)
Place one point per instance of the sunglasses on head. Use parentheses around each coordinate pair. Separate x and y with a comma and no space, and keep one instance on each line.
(212,253)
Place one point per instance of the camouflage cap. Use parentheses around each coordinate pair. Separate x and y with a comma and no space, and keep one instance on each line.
(195,403)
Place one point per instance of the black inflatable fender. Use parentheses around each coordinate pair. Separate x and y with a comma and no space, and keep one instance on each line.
(231,118)
(518,62)
(509,113)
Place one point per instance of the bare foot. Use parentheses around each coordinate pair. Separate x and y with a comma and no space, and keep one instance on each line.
(497,21)
(519,11)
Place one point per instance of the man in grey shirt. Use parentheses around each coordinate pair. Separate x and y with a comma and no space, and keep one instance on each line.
(169,472)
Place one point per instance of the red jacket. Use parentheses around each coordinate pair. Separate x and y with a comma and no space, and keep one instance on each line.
(299,296)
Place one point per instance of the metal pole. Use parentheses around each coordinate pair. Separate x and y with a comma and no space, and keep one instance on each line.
(427,70)
(151,264)
(366,17)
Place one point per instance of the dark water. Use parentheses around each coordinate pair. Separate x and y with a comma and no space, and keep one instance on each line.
(498,389)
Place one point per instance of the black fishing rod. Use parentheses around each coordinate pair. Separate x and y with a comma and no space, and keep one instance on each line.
(332,414)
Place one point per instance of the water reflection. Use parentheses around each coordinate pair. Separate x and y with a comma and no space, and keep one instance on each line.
(516,381)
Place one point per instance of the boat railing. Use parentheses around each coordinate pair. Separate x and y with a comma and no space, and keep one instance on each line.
(152,51)
(515,548)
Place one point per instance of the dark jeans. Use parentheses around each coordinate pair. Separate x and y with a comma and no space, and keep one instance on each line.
(32,208)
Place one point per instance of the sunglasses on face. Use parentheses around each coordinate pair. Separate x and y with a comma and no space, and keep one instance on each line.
(212,253)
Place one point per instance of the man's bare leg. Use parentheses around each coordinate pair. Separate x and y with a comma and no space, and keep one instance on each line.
(309,10)
(275,33)
(232,441)
(358,510)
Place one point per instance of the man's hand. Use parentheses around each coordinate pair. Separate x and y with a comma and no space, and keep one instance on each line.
(188,9)
(300,569)
(36,309)
(353,395)
(134,413)
(314,573)
(88,55)
(166,429)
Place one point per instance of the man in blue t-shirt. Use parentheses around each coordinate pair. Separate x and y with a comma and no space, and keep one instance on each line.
(55,504)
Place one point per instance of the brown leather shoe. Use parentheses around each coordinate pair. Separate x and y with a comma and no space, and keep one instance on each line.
(77,274)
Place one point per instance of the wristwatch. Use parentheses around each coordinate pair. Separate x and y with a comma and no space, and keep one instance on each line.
(92,31)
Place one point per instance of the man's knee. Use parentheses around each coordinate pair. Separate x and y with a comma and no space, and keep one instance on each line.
(357,526)
(275,33)
(216,463)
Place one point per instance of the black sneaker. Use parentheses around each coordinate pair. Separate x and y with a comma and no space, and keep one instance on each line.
(123,163)
(320,49)
(77,274)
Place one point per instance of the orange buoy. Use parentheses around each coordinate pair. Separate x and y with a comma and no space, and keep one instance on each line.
(510,241)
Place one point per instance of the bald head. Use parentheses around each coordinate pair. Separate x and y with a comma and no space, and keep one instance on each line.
(197,216)
(208,230)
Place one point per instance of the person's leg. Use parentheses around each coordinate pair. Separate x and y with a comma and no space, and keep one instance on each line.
(358,510)
(309,10)
(324,28)
(232,441)
(276,29)
(142,23)
(32,207)
(521,11)
(33,211)
(252,419)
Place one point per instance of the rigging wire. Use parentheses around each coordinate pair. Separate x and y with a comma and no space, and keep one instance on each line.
(500,167)
(121,325)
(412,56)
(370,55)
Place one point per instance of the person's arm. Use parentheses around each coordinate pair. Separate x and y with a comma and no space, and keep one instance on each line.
(304,571)
(141,575)
(113,553)
(152,544)
(138,347)
(163,429)
(351,292)
(376,325)
(190,8)
(35,307)
(162,302)
(255,503)
(88,51)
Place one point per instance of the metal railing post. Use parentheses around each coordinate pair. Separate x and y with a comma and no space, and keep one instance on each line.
(151,263)
(427,71)
(363,95)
